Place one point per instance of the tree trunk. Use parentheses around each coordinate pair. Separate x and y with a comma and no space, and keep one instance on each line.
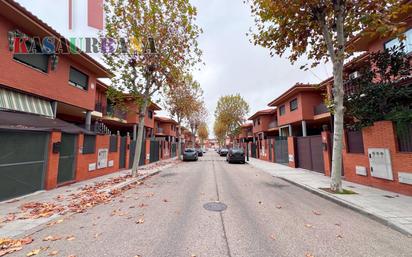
(139,142)
(179,144)
(336,176)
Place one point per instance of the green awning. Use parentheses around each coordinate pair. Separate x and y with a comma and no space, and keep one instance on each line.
(15,101)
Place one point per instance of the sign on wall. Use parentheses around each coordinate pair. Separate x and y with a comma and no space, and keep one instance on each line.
(102,158)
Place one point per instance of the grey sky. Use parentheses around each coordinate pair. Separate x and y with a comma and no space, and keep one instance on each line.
(233,64)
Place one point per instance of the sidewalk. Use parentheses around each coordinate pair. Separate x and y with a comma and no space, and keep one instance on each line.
(68,200)
(389,208)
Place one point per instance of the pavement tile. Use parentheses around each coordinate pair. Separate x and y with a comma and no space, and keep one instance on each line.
(368,199)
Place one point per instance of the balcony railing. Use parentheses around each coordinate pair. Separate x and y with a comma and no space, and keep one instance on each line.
(273,124)
(160,130)
(320,109)
(114,112)
(98,107)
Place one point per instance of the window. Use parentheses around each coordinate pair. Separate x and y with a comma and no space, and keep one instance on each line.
(407,42)
(36,60)
(150,114)
(282,110)
(258,121)
(89,144)
(78,79)
(293,104)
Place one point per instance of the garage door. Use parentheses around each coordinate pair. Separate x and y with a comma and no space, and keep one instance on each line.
(310,153)
(22,163)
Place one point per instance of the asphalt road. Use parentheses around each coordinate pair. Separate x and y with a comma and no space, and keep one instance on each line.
(265,217)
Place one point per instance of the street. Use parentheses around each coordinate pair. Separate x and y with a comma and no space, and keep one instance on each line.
(265,216)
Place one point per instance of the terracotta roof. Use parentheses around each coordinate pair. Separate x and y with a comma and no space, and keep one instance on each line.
(299,87)
(246,125)
(263,112)
(28,21)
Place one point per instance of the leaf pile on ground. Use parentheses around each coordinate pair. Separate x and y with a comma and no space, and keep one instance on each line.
(8,245)
(35,210)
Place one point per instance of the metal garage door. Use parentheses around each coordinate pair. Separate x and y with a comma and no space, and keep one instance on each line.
(310,153)
(22,162)
(154,151)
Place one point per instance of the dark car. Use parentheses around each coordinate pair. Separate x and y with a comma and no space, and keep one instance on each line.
(223,152)
(190,154)
(199,152)
(236,155)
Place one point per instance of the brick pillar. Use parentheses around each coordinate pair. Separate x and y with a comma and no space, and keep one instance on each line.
(327,152)
(291,152)
(127,151)
(52,168)
(147,160)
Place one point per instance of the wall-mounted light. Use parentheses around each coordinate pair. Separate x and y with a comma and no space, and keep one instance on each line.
(10,37)
(54,61)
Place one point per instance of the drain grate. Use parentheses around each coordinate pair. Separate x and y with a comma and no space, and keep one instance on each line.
(215,206)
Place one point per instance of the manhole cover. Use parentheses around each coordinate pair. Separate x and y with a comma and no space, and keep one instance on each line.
(215,206)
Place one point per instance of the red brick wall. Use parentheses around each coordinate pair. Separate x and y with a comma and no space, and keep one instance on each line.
(381,135)
(132,115)
(83,160)
(264,123)
(53,85)
(306,103)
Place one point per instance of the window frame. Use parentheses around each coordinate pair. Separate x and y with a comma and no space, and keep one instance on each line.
(407,41)
(89,149)
(74,84)
(282,107)
(295,100)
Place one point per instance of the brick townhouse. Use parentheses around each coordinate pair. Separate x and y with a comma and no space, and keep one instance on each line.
(377,156)
(56,126)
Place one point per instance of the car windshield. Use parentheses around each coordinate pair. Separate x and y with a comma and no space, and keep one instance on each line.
(237,150)
(190,150)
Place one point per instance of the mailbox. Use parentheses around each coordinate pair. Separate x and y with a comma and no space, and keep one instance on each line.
(380,163)
(57,147)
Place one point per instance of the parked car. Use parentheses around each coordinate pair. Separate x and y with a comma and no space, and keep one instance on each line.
(190,154)
(223,152)
(236,155)
(199,152)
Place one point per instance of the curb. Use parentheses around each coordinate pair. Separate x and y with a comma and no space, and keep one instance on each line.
(352,207)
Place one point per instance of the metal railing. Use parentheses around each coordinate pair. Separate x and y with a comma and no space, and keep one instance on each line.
(159,130)
(114,112)
(320,109)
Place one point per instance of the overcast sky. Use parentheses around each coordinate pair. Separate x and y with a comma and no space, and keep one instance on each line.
(233,64)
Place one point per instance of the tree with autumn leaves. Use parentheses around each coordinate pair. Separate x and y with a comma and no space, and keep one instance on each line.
(320,31)
(230,114)
(181,100)
(203,133)
(161,41)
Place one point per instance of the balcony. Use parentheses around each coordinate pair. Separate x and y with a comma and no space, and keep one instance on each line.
(159,130)
(98,107)
(273,124)
(112,111)
(320,109)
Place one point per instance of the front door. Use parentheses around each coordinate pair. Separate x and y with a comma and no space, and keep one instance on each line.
(67,158)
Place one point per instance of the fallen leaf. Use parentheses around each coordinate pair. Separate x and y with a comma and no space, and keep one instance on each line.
(70,238)
(309,255)
(34,252)
(143,205)
(317,213)
(51,238)
(53,253)
(337,224)
(339,236)
(278,206)
(260,202)
(97,235)
(140,221)
(309,225)
(72,255)
(273,237)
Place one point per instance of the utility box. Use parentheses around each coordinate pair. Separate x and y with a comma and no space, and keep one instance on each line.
(380,163)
